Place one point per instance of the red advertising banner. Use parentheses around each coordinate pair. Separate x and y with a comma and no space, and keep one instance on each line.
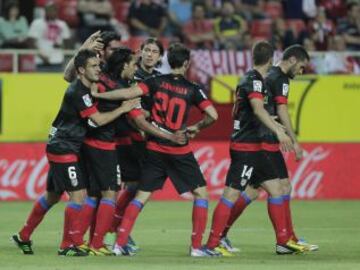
(328,171)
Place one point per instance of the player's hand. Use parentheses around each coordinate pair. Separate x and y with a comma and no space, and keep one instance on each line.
(299,153)
(94,42)
(286,144)
(130,104)
(192,131)
(179,137)
(94,90)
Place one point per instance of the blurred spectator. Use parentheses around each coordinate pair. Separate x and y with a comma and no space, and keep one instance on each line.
(350,27)
(179,12)
(212,7)
(321,29)
(94,15)
(13,27)
(49,35)
(147,18)
(199,32)
(229,28)
(334,9)
(335,62)
(293,9)
(250,9)
(309,44)
(281,37)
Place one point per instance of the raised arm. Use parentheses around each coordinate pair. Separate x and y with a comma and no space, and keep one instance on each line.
(92,43)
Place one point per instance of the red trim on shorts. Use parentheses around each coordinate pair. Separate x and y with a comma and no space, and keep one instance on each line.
(89,111)
(255,95)
(67,158)
(253,147)
(123,141)
(98,144)
(136,136)
(134,113)
(281,100)
(204,104)
(174,150)
(144,88)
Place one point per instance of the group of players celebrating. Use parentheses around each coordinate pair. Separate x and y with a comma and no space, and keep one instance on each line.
(121,132)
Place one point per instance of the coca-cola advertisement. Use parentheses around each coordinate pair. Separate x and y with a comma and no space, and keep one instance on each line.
(327,171)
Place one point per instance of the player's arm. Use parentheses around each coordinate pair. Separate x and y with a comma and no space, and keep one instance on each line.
(210,117)
(257,105)
(139,118)
(93,43)
(283,113)
(119,94)
(103,118)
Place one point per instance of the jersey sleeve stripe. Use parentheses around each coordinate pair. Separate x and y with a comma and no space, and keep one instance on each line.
(255,95)
(281,100)
(204,104)
(135,113)
(89,111)
(144,88)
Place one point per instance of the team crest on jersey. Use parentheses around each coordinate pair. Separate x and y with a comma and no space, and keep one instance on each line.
(257,85)
(285,89)
(87,100)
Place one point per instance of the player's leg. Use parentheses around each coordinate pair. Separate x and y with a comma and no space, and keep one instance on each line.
(153,178)
(276,211)
(246,197)
(131,214)
(103,177)
(70,177)
(40,208)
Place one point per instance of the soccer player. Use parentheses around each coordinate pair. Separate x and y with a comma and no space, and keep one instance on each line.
(173,97)
(249,153)
(294,61)
(133,154)
(66,173)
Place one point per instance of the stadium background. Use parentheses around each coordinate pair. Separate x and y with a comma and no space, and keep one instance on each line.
(324,107)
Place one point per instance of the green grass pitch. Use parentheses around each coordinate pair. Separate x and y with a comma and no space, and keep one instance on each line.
(163,232)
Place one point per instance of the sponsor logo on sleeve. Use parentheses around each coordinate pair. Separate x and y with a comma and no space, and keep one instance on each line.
(285,89)
(257,85)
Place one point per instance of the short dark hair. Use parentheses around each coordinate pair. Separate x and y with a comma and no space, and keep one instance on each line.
(296,51)
(82,57)
(262,52)
(108,36)
(117,60)
(177,55)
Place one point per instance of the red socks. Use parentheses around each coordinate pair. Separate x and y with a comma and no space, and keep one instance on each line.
(104,219)
(289,225)
(128,221)
(36,216)
(88,212)
(220,219)
(72,222)
(276,210)
(239,206)
(199,220)
(122,202)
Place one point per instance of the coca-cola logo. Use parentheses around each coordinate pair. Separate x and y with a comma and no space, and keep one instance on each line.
(22,178)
